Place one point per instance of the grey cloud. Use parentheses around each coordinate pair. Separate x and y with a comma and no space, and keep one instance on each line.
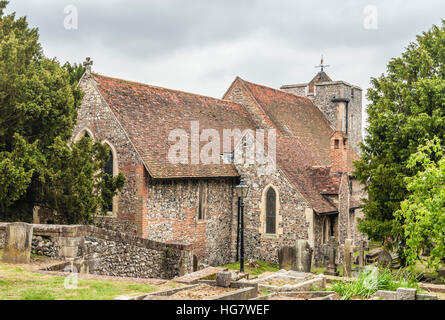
(280,41)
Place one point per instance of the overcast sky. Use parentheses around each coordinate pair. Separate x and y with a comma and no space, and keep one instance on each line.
(202,45)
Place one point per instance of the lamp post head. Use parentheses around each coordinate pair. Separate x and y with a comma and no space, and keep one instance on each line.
(242,189)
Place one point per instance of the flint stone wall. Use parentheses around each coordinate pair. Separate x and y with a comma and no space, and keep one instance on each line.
(105,252)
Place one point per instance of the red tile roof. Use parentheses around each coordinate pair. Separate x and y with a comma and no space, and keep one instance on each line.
(304,143)
(295,116)
(296,161)
(149,113)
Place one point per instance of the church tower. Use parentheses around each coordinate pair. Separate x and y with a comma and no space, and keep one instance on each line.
(339,101)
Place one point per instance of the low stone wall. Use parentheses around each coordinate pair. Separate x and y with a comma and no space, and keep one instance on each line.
(403,294)
(115,224)
(106,252)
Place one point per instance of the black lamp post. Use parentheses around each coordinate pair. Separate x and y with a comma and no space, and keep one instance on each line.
(241,191)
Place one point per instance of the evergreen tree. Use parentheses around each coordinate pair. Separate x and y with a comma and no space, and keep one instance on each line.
(407,107)
(38,109)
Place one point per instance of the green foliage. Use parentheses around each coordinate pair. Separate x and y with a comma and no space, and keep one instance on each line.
(407,106)
(369,282)
(39,100)
(423,212)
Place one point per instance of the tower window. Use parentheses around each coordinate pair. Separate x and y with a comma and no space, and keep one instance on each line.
(337,144)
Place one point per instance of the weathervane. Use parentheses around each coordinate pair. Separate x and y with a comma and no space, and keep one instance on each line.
(322,66)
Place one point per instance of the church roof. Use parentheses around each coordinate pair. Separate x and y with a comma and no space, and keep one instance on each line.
(295,116)
(148,115)
(303,146)
(296,161)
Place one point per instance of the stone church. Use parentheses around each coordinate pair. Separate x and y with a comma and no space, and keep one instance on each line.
(311,195)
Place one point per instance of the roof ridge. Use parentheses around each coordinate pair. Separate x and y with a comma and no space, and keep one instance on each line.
(278,90)
(306,99)
(168,89)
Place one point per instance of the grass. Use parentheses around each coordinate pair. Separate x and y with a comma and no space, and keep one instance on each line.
(263,266)
(368,282)
(18,283)
(318,270)
(265,293)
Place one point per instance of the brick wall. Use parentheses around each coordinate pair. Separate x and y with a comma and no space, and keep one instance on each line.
(171,214)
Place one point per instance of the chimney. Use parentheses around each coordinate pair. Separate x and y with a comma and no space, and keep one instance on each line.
(339,152)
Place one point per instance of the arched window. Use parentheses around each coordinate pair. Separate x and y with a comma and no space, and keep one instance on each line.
(109,164)
(108,168)
(85,132)
(111,168)
(271,211)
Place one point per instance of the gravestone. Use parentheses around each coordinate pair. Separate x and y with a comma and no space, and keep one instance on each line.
(18,243)
(287,257)
(361,256)
(348,258)
(331,270)
(296,258)
(223,279)
(385,258)
(304,256)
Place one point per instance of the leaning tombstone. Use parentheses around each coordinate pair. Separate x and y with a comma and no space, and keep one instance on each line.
(361,255)
(18,243)
(384,259)
(348,258)
(331,270)
(304,256)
